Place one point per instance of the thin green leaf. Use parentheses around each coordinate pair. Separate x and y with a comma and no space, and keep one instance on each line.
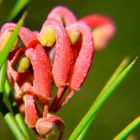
(2,82)
(21,123)
(91,114)
(12,104)
(7,88)
(4,53)
(123,64)
(117,72)
(15,123)
(8,97)
(17,8)
(128,129)
(15,117)
(18,117)
(2,77)
(85,130)
(12,124)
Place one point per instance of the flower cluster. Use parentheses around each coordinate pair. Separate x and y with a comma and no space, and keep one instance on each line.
(60,53)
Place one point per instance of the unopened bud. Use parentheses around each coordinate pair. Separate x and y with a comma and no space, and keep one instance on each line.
(43,126)
(50,128)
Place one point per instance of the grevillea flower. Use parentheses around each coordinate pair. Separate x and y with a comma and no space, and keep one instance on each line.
(61,53)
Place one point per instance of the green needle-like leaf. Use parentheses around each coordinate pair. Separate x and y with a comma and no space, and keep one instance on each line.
(7,88)
(2,82)
(99,102)
(21,124)
(17,8)
(2,77)
(128,129)
(85,130)
(11,122)
(15,123)
(4,53)
(123,64)
(18,117)
(117,72)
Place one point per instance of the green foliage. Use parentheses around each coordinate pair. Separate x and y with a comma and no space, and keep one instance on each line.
(14,127)
(112,84)
(15,123)
(2,77)
(128,129)
(18,7)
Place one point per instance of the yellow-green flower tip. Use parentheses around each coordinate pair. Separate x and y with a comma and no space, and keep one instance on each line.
(47,36)
(22,64)
(4,39)
(73,36)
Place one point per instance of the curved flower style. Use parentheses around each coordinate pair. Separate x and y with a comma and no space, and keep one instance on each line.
(60,54)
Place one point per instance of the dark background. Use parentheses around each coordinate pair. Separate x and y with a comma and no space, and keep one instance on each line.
(124,104)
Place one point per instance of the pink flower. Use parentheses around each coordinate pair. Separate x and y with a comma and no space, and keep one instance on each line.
(61,54)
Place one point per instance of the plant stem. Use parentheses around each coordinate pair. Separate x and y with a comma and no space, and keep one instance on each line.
(128,129)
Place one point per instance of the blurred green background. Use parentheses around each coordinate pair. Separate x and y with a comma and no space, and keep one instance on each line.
(124,105)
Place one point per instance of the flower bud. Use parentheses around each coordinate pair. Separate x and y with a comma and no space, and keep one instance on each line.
(50,128)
